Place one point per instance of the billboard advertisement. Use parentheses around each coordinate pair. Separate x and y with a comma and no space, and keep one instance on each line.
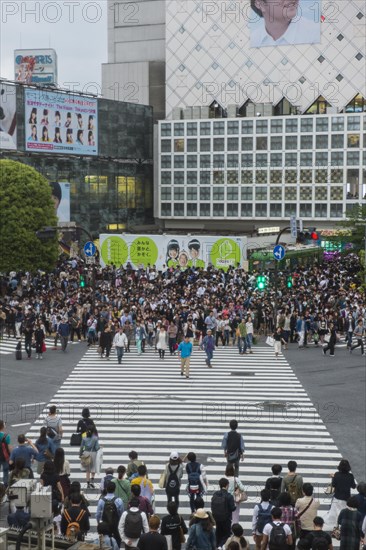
(172,251)
(35,66)
(60,123)
(61,197)
(8,117)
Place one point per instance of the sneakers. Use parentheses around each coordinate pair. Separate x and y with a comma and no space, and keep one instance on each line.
(324,352)
(181,373)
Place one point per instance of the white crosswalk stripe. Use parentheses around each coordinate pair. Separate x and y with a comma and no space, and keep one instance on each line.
(8,345)
(144,404)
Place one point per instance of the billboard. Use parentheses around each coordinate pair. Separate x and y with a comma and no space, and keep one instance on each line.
(172,251)
(61,197)
(35,66)
(60,123)
(8,117)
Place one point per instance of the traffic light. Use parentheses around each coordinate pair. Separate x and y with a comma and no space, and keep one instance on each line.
(307,235)
(261,282)
(289,281)
(82,283)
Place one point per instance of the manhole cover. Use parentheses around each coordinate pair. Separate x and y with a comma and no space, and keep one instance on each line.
(275,405)
(242,373)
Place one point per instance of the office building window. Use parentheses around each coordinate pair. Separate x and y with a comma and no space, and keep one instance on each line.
(205,161)
(166,130)
(336,175)
(191,209)
(247,144)
(205,178)
(246,176)
(191,161)
(305,193)
(306,142)
(247,159)
(205,210)
(232,127)
(353,158)
(353,123)
(218,210)
(291,125)
(166,161)
(205,128)
(219,144)
(232,161)
(166,146)
(290,209)
(290,159)
(336,193)
(166,209)
(306,176)
(290,193)
(353,141)
(276,126)
(337,158)
(179,193)
(261,143)
(261,159)
(275,193)
(191,128)
(261,126)
(179,161)
(179,129)
(205,193)
(232,177)
(321,141)
(246,210)
(337,124)
(179,145)
(232,194)
(322,125)
(205,145)
(320,210)
(275,176)
(321,159)
(321,176)
(336,210)
(178,178)
(307,124)
(261,176)
(219,161)
(306,159)
(321,193)
(247,127)
(166,178)
(275,210)
(232,144)
(191,178)
(260,210)
(218,177)
(337,141)
(261,193)
(232,210)
(191,193)
(276,143)
(291,142)
(218,193)
(247,193)
(191,145)
(166,193)
(219,128)
(305,210)
(178,209)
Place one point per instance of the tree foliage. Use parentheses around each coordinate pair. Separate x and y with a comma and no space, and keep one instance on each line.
(25,207)
(355,220)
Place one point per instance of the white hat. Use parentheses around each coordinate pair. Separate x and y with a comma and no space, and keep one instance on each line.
(174,455)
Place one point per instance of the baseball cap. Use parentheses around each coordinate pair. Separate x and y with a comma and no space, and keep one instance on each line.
(174,455)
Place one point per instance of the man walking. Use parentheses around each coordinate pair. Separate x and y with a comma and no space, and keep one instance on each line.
(222,507)
(64,331)
(233,445)
(120,342)
(208,346)
(185,349)
(242,337)
(359,334)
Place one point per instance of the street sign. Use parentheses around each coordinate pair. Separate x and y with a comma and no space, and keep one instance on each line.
(90,260)
(279,252)
(293,226)
(89,249)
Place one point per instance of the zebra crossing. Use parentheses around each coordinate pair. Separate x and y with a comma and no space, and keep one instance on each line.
(8,345)
(145,405)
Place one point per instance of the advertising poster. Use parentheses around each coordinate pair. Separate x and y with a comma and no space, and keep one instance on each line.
(8,117)
(61,123)
(61,197)
(172,251)
(35,66)
(284,22)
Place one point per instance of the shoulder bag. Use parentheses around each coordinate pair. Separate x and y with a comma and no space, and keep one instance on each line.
(239,496)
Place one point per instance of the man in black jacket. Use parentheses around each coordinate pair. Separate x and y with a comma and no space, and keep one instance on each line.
(233,445)
(222,507)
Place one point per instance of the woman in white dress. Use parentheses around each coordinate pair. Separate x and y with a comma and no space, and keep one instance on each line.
(161,341)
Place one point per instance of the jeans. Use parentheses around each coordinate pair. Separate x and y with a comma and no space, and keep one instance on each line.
(138,345)
(120,351)
(349,339)
(249,340)
(242,344)
(227,337)
(209,355)
(223,531)
(172,342)
(5,466)
(64,340)
(192,499)
(28,346)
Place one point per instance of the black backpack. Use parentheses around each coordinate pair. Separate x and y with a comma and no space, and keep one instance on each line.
(194,473)
(172,484)
(277,537)
(110,513)
(133,524)
(219,506)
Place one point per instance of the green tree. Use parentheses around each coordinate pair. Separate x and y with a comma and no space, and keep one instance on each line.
(356,218)
(25,207)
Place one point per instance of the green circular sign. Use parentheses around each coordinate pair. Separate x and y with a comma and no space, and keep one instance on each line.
(225,253)
(114,250)
(143,251)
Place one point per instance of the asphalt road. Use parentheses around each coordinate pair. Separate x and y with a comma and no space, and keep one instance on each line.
(336,385)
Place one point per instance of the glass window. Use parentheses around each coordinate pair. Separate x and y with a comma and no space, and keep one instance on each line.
(336,210)
(233,144)
(322,124)
(337,124)
(305,193)
(247,127)
(275,210)
(166,145)
(290,193)
(205,193)
(179,193)
(336,193)
(205,210)
(166,178)
(275,193)
(166,130)
(337,158)
(261,176)
(322,141)
(205,161)
(353,123)
(232,161)
(247,159)
(218,210)
(205,128)
(192,209)
(218,128)
(179,129)
(191,145)
(219,144)
(320,210)
(205,145)
(321,159)
(191,178)
(307,124)
(336,175)
(232,194)
(261,210)
(290,159)
(262,143)
(191,193)
(247,144)
(290,209)
(191,161)
(191,128)
(353,158)
(306,176)
(276,159)
(261,159)
(179,161)
(291,125)
(305,210)
(205,178)
(247,193)
(179,145)
(353,140)
(247,176)
(166,193)
(291,142)
(178,209)
(178,178)
(275,176)
(321,193)
(306,159)
(166,209)
(219,177)
(276,143)
(232,127)
(166,161)
(218,194)
(290,176)
(337,141)
(232,176)
(261,193)
(232,210)
(321,176)
(219,161)
(306,142)
(261,126)
(246,210)
(276,126)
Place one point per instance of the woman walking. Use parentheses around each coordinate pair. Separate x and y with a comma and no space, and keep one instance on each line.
(342,481)
(174,525)
(39,337)
(201,533)
(173,477)
(88,455)
(161,341)
(46,449)
(350,520)
(278,340)
(62,468)
(234,483)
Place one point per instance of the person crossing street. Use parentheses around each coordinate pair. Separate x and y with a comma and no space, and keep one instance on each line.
(120,342)
(208,345)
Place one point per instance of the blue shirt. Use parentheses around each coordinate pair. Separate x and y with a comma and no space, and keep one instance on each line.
(23,451)
(118,502)
(185,349)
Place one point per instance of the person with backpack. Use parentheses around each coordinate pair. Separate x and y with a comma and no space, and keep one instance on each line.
(201,534)
(133,465)
(75,490)
(222,507)
(317,538)
(46,449)
(174,525)
(292,482)
(273,484)
(104,538)
(147,488)
(5,450)
(276,535)
(53,423)
(123,486)
(233,445)
(261,516)
(307,508)
(109,476)
(289,516)
(197,481)
(153,540)
(85,423)
(132,524)
(110,509)
(173,477)
(75,520)
(144,503)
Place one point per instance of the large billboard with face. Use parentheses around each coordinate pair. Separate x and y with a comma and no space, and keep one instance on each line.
(172,251)
(35,66)
(60,123)
(8,117)
(61,197)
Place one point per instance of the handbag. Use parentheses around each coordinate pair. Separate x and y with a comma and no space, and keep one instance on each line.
(75,440)
(270,341)
(162,480)
(86,459)
(234,456)
(336,533)
(182,537)
(329,490)
(44,347)
(239,496)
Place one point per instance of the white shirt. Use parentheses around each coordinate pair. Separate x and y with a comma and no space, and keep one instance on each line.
(303,31)
(121,527)
(120,340)
(268,528)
